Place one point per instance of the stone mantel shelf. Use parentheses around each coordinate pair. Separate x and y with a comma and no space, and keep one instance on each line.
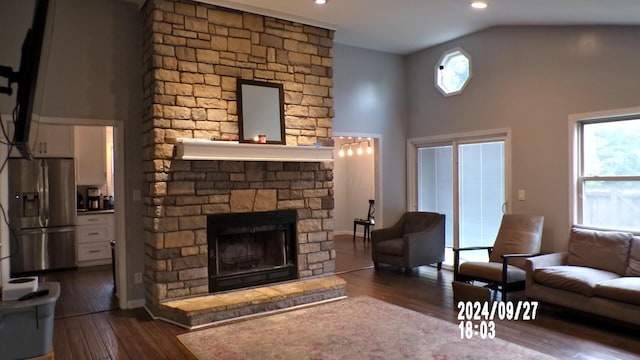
(202,149)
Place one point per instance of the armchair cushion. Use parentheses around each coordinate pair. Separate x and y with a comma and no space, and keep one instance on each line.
(491,271)
(518,234)
(578,279)
(604,250)
(391,247)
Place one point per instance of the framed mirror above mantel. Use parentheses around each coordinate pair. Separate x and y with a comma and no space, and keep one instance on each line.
(261,112)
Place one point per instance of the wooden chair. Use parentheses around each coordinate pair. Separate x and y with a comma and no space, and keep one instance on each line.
(519,237)
(367,223)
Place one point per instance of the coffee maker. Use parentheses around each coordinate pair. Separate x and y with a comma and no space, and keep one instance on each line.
(93,198)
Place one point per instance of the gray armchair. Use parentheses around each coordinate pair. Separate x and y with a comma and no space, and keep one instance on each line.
(416,239)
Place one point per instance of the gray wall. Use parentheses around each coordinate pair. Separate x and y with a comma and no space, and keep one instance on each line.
(94,69)
(15,17)
(530,79)
(369,97)
(93,72)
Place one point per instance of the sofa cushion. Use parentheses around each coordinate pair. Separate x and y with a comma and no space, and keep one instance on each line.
(633,268)
(624,289)
(604,250)
(578,279)
(391,247)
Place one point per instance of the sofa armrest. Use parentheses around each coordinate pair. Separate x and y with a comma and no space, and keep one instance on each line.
(552,259)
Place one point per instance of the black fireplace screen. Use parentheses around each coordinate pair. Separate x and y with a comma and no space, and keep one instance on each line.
(249,249)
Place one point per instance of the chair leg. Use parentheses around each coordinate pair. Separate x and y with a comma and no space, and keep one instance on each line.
(439,265)
(408,271)
(366,234)
(354,232)
(376,266)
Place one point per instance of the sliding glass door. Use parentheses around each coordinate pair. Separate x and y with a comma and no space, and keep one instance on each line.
(466,181)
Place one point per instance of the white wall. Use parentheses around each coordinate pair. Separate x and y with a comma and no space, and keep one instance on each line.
(530,79)
(353,185)
(369,98)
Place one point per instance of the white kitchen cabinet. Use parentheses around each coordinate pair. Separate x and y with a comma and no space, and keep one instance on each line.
(94,232)
(52,140)
(48,140)
(91,155)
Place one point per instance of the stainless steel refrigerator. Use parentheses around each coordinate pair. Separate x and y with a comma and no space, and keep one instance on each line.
(42,213)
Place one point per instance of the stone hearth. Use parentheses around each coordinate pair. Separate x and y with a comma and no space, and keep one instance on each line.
(201,311)
(193,56)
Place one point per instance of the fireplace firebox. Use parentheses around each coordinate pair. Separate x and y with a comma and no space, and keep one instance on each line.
(250,249)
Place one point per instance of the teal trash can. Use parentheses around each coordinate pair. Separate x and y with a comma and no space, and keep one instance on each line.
(26,327)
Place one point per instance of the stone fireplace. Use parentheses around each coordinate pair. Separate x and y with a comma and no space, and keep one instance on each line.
(193,56)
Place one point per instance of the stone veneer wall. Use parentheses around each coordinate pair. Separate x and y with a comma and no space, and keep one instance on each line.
(193,55)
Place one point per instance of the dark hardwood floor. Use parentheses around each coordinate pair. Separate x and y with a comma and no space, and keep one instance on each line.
(131,334)
(85,291)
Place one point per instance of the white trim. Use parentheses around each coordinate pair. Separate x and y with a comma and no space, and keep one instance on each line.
(460,137)
(276,14)
(120,196)
(135,304)
(574,148)
(120,216)
(377,169)
(437,70)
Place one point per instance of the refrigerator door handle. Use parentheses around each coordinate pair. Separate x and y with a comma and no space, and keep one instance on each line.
(45,169)
(38,231)
(41,194)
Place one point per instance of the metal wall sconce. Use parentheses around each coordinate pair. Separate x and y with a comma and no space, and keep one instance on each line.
(359,148)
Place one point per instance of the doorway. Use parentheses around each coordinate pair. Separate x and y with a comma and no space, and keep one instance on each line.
(465,177)
(355,175)
(114,168)
(91,287)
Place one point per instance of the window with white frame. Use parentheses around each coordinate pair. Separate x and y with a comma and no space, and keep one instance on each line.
(453,71)
(608,179)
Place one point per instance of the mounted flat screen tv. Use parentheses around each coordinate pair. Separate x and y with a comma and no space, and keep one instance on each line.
(27,78)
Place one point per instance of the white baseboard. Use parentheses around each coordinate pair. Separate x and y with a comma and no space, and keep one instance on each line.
(134,304)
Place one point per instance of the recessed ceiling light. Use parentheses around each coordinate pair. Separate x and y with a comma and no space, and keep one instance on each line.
(320,2)
(479,5)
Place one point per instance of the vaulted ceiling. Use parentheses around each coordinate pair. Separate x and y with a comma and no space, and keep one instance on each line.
(405,26)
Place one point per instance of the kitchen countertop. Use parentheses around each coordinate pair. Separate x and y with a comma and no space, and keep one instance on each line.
(94,212)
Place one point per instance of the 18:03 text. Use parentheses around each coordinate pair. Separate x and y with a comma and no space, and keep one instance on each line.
(483,329)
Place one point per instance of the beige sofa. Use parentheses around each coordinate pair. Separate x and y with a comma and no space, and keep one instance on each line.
(599,274)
